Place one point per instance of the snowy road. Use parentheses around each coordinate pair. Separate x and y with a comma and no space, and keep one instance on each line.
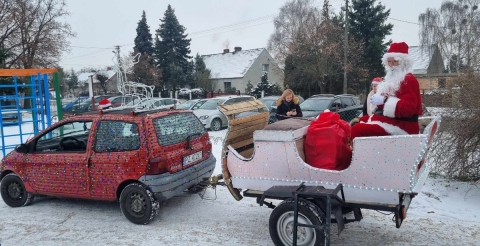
(444,214)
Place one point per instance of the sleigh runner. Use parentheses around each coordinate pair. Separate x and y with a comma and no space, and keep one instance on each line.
(385,172)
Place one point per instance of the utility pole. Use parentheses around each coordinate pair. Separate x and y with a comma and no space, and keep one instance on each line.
(345,51)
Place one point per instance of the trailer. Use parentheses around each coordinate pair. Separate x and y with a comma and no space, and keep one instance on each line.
(385,174)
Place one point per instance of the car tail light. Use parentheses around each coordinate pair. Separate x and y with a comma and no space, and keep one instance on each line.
(157,165)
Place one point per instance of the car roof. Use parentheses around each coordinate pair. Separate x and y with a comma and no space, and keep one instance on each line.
(128,112)
(231,96)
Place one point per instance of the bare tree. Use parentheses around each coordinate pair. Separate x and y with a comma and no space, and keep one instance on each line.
(454,27)
(33,33)
(456,151)
(315,54)
(102,79)
(293,17)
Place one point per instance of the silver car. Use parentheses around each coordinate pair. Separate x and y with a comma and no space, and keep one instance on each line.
(210,115)
(191,104)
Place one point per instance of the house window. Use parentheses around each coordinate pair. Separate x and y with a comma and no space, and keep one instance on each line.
(441,83)
(227,85)
(265,68)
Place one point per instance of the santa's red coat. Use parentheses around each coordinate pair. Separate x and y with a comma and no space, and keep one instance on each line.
(406,103)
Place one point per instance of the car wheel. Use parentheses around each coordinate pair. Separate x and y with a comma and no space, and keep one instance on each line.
(281,223)
(216,125)
(13,191)
(138,204)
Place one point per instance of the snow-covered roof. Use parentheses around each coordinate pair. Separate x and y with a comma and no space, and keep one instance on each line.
(84,77)
(421,58)
(232,64)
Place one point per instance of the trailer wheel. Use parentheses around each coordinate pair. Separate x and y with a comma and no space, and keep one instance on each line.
(281,223)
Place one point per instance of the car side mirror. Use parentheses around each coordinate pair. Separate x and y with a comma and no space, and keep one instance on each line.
(22,148)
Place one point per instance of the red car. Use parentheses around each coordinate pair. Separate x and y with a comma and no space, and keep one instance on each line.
(139,159)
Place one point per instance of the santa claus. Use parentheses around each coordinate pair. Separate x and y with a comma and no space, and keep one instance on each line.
(397,102)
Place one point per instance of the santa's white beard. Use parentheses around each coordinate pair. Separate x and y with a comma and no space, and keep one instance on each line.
(393,79)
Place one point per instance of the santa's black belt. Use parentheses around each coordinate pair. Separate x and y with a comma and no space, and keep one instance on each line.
(414,118)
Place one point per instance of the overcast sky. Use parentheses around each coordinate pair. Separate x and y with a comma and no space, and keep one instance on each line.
(211,24)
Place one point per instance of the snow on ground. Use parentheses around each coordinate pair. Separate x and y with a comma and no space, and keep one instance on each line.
(445,213)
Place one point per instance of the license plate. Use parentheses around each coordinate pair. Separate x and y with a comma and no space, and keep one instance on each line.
(192,158)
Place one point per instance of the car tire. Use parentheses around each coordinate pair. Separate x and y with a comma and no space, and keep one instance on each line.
(216,125)
(13,191)
(138,204)
(281,223)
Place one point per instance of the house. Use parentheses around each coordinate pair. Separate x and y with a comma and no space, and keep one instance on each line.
(239,68)
(428,67)
(85,77)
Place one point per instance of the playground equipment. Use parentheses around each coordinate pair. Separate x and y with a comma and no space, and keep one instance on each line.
(13,111)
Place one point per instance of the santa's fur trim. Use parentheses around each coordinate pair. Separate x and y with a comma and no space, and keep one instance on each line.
(391,129)
(295,101)
(389,107)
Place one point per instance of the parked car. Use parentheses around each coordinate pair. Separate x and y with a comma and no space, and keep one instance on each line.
(153,103)
(191,104)
(87,104)
(68,107)
(118,101)
(348,106)
(209,114)
(138,159)
(270,102)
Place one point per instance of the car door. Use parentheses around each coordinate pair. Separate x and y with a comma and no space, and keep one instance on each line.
(57,163)
(348,112)
(118,154)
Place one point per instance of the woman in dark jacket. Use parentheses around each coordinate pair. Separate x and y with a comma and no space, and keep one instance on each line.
(288,106)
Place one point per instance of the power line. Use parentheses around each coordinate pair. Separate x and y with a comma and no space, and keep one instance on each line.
(409,22)
(234,24)
(271,21)
(92,54)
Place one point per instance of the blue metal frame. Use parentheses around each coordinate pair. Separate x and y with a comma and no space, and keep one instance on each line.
(40,109)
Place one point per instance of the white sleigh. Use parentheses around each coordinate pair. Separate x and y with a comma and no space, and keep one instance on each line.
(381,167)
(385,174)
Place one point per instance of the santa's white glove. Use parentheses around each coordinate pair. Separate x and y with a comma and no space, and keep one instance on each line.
(377,99)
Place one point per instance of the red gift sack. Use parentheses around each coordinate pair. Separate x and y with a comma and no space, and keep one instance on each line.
(327,142)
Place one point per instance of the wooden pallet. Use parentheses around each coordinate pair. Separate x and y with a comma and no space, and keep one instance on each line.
(240,133)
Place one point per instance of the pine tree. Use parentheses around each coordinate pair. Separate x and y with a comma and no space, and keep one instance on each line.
(368,25)
(72,81)
(143,40)
(202,74)
(172,49)
(265,86)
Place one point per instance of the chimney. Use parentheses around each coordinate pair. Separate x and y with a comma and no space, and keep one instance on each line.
(225,51)
(237,49)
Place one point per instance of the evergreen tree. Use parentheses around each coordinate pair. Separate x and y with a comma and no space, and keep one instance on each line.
(368,24)
(72,81)
(265,86)
(202,74)
(5,80)
(143,40)
(172,49)
(145,71)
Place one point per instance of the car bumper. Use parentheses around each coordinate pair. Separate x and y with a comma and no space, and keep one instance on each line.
(206,123)
(165,186)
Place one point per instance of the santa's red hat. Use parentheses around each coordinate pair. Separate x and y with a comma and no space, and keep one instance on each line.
(104,103)
(399,51)
(377,80)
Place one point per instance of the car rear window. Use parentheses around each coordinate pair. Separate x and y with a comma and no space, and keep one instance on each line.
(315,104)
(176,128)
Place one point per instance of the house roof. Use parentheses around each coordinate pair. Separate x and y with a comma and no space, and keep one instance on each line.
(232,64)
(421,58)
(84,77)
